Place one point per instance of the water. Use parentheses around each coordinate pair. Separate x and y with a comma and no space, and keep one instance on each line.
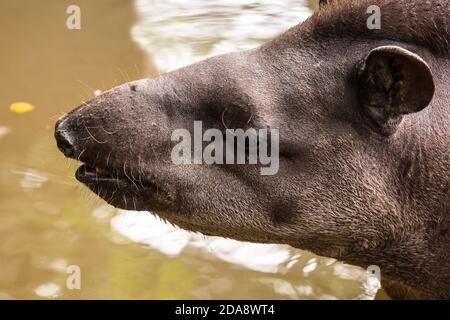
(184,32)
(49,222)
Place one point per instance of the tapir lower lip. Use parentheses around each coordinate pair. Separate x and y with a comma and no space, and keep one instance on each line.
(110,178)
(84,174)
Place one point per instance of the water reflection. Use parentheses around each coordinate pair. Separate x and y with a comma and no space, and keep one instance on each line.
(48,290)
(4,131)
(148,229)
(183,32)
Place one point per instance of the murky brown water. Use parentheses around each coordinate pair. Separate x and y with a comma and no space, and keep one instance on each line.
(48,221)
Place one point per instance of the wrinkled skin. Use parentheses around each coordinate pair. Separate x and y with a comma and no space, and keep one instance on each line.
(362,178)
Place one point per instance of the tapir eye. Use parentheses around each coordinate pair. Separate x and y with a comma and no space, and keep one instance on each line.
(225,115)
(236,116)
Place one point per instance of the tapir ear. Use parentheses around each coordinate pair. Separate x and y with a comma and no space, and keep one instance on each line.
(393,82)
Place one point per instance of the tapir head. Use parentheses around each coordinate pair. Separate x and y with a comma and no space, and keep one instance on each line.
(354,108)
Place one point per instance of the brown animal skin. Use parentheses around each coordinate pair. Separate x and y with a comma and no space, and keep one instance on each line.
(364,142)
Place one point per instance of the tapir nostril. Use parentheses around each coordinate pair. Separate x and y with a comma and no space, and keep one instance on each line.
(63,140)
(63,143)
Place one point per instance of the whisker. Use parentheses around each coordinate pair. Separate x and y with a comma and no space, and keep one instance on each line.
(81,153)
(134,203)
(125,172)
(140,172)
(108,157)
(138,71)
(90,134)
(125,201)
(86,85)
(223,120)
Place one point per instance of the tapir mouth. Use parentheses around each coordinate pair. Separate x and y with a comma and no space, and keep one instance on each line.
(90,174)
(108,177)
(124,185)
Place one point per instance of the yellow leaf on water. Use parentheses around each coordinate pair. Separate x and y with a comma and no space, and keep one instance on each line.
(21,107)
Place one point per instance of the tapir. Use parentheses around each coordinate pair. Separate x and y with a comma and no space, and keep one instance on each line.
(363,116)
